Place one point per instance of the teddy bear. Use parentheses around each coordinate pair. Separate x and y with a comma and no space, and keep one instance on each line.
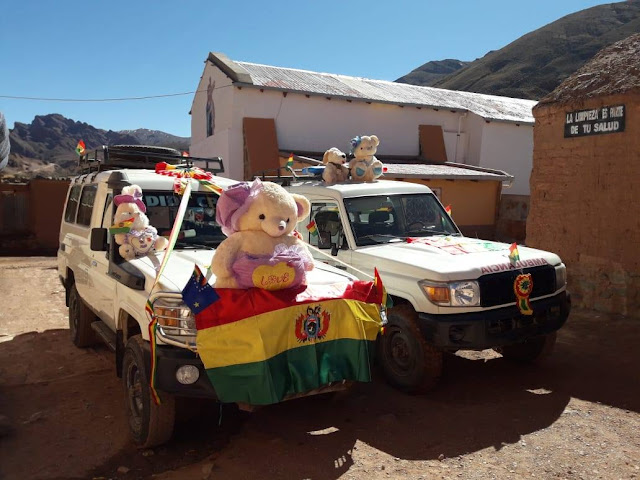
(261,249)
(334,170)
(365,167)
(131,227)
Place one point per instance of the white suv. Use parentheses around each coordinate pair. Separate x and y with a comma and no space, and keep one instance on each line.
(106,295)
(450,292)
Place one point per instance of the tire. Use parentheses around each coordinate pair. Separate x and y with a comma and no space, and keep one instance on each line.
(408,362)
(150,424)
(531,350)
(80,320)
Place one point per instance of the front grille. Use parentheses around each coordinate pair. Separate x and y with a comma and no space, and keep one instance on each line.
(497,288)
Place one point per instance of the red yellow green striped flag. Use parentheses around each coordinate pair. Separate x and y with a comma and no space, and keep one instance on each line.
(448,210)
(514,255)
(121,227)
(260,347)
(80,148)
(313,229)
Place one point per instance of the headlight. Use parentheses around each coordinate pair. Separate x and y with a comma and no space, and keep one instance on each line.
(454,294)
(561,276)
(465,294)
(178,316)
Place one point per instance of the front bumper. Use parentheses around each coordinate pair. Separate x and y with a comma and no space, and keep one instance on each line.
(169,359)
(495,328)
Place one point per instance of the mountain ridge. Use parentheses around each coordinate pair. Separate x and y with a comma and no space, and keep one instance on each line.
(533,65)
(46,146)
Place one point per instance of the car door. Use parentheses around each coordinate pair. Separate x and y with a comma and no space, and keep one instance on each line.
(103,285)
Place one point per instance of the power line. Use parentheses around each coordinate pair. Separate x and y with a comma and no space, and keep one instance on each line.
(123,99)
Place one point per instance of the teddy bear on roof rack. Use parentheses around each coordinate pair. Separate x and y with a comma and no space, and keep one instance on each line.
(364,166)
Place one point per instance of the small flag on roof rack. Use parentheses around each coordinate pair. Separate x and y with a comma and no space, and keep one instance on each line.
(80,148)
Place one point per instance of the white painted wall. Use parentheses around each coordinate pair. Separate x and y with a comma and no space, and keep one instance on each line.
(316,124)
(508,147)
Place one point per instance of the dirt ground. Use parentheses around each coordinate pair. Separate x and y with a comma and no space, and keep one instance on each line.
(576,416)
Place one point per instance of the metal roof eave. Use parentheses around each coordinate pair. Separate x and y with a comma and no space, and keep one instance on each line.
(349,98)
(384,102)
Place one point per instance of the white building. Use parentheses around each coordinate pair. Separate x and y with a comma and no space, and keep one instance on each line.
(313,111)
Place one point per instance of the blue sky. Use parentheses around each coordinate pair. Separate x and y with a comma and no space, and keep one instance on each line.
(98,49)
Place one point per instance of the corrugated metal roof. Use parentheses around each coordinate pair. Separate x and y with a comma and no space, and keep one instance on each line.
(443,171)
(489,107)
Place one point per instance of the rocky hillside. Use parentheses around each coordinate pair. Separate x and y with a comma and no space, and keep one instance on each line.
(535,64)
(432,72)
(46,146)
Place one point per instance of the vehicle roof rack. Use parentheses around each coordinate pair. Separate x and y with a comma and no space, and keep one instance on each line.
(113,157)
(312,172)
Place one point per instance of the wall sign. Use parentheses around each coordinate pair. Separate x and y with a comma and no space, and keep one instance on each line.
(581,123)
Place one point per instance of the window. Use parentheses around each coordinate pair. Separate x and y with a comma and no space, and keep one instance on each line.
(328,224)
(199,226)
(392,218)
(72,204)
(86,205)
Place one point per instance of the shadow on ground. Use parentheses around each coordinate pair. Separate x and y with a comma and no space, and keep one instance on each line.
(480,404)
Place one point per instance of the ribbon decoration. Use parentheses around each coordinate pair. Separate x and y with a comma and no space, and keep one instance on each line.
(522,286)
(182,173)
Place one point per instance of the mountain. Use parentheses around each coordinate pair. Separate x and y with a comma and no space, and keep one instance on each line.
(432,72)
(46,146)
(535,64)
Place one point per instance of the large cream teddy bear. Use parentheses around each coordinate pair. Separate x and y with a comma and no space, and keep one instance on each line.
(131,227)
(365,167)
(261,249)
(334,168)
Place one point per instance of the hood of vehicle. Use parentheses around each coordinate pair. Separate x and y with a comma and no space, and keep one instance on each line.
(448,258)
(178,269)
(181,264)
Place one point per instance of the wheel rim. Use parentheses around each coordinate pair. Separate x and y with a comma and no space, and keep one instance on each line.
(399,353)
(134,395)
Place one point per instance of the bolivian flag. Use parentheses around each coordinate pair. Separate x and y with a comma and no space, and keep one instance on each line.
(80,148)
(260,346)
(121,227)
(313,229)
(514,255)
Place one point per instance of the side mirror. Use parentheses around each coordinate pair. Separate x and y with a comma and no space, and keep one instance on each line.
(98,242)
(334,249)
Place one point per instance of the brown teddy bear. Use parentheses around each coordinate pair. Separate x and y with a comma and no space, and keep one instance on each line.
(334,169)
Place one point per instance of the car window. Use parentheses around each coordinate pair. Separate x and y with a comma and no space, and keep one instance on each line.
(326,227)
(72,204)
(86,205)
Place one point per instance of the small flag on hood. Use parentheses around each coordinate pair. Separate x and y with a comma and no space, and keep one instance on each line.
(514,255)
(290,162)
(80,148)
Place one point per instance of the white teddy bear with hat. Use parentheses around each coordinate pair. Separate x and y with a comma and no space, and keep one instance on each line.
(131,227)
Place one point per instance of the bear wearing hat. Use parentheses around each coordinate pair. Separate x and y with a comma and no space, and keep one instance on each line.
(131,227)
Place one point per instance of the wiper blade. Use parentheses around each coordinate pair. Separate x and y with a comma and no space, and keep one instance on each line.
(383,235)
(185,245)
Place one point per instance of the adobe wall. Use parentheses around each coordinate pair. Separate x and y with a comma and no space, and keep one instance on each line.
(585,204)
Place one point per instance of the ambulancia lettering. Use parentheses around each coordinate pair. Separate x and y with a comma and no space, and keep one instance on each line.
(501,267)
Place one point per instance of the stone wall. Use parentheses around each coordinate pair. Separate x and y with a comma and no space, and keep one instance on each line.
(585,204)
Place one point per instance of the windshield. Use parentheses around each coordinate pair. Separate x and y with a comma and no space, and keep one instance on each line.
(387,218)
(199,228)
